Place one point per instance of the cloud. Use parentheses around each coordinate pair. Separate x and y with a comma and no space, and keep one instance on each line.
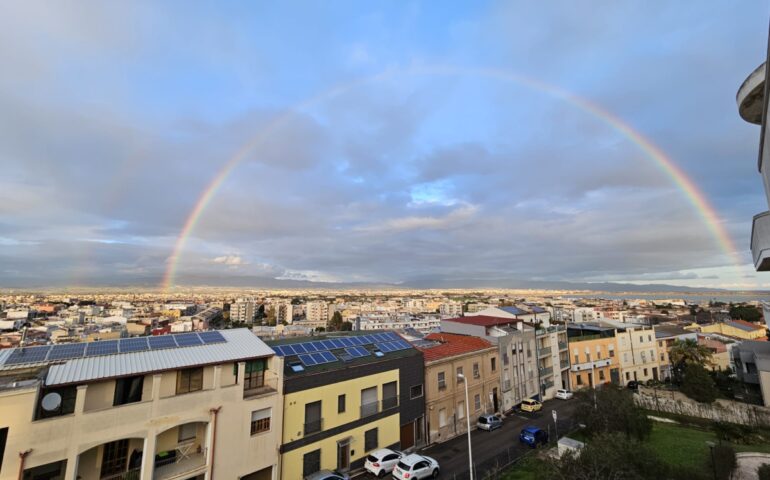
(230,260)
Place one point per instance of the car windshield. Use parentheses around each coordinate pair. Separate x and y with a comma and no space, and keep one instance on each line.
(372,458)
(403,466)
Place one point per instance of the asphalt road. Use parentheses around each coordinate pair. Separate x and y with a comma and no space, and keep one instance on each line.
(498,447)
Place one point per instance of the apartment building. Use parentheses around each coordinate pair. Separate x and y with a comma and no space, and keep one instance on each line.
(317,312)
(196,405)
(752,366)
(519,376)
(451,309)
(593,355)
(667,336)
(243,311)
(448,355)
(638,352)
(740,329)
(345,396)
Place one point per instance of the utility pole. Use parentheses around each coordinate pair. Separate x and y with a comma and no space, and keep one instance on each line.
(468,420)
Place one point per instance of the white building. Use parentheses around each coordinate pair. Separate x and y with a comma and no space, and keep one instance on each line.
(317,311)
(242,311)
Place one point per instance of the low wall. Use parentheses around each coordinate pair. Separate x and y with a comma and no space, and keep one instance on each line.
(719,411)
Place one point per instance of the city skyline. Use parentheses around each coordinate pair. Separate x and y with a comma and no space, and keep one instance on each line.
(377,143)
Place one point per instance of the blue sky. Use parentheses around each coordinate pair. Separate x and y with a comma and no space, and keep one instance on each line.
(115,116)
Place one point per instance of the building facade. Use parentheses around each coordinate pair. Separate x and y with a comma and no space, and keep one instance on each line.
(175,407)
(345,396)
(478,361)
(593,356)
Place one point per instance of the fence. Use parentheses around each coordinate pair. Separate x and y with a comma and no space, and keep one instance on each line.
(720,411)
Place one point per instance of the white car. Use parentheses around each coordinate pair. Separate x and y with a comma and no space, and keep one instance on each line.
(564,394)
(416,467)
(381,462)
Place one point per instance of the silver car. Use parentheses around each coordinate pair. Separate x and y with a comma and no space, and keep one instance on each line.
(328,475)
(489,422)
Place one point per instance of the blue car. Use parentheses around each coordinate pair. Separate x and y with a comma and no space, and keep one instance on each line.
(533,437)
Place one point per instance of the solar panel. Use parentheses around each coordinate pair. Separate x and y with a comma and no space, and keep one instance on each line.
(310,347)
(385,347)
(105,347)
(357,352)
(28,355)
(328,356)
(402,344)
(392,336)
(346,342)
(299,348)
(188,340)
(159,342)
(307,360)
(133,345)
(318,358)
(356,340)
(67,351)
(328,345)
(212,337)
(337,343)
(366,339)
(319,346)
(278,350)
(383,337)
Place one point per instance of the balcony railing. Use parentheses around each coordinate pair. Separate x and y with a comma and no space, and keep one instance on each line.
(369,409)
(544,352)
(182,467)
(313,426)
(564,364)
(548,384)
(546,371)
(269,386)
(562,345)
(133,474)
(389,402)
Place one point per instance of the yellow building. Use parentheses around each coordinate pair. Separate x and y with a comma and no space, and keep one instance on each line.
(637,353)
(736,328)
(345,396)
(593,355)
(171,407)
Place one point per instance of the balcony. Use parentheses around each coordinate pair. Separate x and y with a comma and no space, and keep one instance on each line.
(193,464)
(750,96)
(544,352)
(390,402)
(563,346)
(580,367)
(369,409)
(313,426)
(760,241)
(544,372)
(268,387)
(564,364)
(548,384)
(133,474)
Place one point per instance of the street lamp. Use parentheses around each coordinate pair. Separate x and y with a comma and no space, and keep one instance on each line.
(713,463)
(468,420)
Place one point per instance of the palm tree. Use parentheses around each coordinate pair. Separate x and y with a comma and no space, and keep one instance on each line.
(688,352)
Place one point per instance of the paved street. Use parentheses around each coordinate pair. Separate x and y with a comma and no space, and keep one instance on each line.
(502,444)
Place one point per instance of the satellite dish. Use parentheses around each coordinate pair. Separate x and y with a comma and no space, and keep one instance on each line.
(51,402)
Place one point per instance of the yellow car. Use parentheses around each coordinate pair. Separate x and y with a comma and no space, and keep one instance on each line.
(530,405)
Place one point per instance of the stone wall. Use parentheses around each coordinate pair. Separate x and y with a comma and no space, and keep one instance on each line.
(719,411)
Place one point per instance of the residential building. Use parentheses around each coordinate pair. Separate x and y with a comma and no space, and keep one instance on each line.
(284,312)
(593,355)
(752,366)
(519,376)
(447,355)
(243,311)
(667,336)
(451,309)
(345,396)
(737,328)
(720,350)
(172,406)
(317,312)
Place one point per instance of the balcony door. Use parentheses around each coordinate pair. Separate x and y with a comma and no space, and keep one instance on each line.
(343,455)
(312,417)
(114,458)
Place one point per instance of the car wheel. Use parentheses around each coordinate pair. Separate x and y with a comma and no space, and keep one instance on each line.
(381,474)
(435,473)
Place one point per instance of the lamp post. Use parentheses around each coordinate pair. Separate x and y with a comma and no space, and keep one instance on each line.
(468,420)
(713,463)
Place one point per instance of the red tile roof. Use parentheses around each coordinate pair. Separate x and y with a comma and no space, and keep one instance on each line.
(483,320)
(452,345)
(749,325)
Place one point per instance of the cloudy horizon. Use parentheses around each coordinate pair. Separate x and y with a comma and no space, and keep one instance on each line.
(374,147)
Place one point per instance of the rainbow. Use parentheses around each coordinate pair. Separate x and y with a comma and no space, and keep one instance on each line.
(666,165)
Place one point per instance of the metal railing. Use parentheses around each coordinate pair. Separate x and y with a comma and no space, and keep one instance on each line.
(562,345)
(564,364)
(544,352)
(270,385)
(369,409)
(133,474)
(313,426)
(548,383)
(546,371)
(389,402)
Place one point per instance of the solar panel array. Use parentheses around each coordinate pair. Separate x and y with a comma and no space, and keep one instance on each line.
(319,352)
(110,347)
(334,343)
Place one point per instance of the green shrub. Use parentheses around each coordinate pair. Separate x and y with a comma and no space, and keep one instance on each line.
(722,461)
(698,384)
(763,472)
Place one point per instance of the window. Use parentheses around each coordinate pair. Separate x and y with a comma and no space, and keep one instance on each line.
(3,439)
(66,405)
(441,381)
(260,421)
(645,372)
(628,376)
(369,403)
(442,417)
(577,359)
(649,338)
(476,373)
(255,374)
(389,395)
(641,338)
(477,402)
(189,380)
(625,357)
(311,462)
(128,390)
(370,439)
(415,392)
(114,458)
(459,372)
(493,362)
(506,361)
(588,356)
(312,417)
(601,375)
(341,403)
(461,410)
(186,432)
(579,378)
(612,352)
(662,358)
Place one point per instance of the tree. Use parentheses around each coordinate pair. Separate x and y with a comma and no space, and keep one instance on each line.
(270,317)
(346,326)
(746,312)
(698,384)
(688,352)
(763,472)
(335,324)
(611,410)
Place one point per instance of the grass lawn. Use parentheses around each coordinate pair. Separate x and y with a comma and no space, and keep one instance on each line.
(524,470)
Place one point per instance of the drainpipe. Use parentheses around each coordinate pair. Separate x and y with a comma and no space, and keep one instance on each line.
(22,457)
(213,412)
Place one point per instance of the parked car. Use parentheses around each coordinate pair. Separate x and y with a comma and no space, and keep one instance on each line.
(533,437)
(564,394)
(489,422)
(381,462)
(633,385)
(416,467)
(530,405)
(328,475)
